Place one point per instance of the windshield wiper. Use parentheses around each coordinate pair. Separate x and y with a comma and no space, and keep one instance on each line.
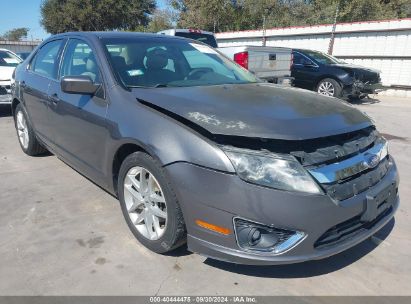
(161,85)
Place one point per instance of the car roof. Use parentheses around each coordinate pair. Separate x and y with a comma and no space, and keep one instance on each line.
(115,34)
(306,50)
(186,30)
(7,51)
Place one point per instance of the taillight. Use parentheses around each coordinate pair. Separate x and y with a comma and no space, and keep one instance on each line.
(292,60)
(242,59)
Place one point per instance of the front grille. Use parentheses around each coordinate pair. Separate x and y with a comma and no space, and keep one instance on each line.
(309,152)
(325,154)
(3,90)
(336,148)
(349,229)
(356,184)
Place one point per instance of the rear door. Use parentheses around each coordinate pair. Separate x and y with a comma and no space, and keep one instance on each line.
(41,71)
(79,122)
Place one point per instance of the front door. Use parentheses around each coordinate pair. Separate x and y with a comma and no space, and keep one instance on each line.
(80,130)
(304,71)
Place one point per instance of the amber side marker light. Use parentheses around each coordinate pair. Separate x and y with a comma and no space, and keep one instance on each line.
(212,227)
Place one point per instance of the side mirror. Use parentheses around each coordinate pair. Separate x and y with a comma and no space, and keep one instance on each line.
(78,85)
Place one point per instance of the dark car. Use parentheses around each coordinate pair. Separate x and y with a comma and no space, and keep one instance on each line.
(197,149)
(330,76)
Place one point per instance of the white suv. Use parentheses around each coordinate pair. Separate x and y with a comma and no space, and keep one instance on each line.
(8,62)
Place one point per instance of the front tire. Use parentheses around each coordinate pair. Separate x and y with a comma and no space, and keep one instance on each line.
(25,132)
(149,204)
(329,87)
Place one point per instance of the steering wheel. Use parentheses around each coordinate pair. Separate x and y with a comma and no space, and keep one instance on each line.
(195,74)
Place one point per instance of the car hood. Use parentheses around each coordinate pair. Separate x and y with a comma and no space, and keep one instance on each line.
(257,110)
(355,67)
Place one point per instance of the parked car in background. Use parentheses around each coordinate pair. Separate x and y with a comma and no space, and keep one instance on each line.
(329,76)
(272,64)
(198,149)
(23,55)
(8,62)
(202,36)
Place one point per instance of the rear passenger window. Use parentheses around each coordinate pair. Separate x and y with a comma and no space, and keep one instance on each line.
(46,60)
(298,58)
(78,60)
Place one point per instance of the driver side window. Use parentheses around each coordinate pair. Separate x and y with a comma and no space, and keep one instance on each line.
(79,60)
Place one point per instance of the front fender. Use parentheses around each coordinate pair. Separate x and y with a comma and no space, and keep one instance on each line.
(163,137)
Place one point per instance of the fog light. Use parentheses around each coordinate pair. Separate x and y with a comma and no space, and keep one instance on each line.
(257,237)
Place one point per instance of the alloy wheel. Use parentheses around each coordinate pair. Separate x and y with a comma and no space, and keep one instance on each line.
(326,88)
(22,130)
(145,203)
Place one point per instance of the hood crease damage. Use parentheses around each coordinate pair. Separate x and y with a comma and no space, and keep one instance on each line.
(309,152)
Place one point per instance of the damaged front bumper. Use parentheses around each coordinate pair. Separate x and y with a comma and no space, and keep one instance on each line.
(359,89)
(327,226)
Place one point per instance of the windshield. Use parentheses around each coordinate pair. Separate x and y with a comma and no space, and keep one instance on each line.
(205,38)
(164,62)
(323,58)
(9,59)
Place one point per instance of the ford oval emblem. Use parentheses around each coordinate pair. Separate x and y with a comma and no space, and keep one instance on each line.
(371,160)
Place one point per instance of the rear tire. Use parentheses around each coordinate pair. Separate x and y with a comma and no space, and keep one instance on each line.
(149,204)
(329,87)
(25,133)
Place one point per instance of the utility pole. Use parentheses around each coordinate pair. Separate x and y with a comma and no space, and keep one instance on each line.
(264,37)
(331,45)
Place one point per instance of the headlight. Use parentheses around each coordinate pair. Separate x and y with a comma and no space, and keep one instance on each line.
(271,170)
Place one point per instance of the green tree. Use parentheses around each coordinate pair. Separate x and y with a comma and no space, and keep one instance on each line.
(362,10)
(322,11)
(211,15)
(225,15)
(16,34)
(162,19)
(95,15)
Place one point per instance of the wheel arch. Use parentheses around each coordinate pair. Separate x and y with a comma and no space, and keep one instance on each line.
(14,104)
(328,76)
(124,150)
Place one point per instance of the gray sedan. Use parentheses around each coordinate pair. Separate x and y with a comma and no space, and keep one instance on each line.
(198,150)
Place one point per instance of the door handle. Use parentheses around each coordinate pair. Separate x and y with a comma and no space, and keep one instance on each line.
(54,98)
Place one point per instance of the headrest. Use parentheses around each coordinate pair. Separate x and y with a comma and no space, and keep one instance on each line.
(156,59)
(118,61)
(91,64)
